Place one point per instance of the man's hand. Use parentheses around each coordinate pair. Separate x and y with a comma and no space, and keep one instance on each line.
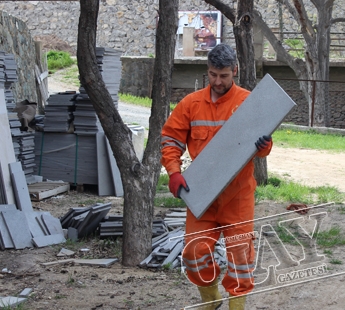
(263,142)
(175,182)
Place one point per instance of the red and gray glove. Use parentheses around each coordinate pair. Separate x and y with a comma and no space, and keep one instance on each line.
(176,182)
(263,143)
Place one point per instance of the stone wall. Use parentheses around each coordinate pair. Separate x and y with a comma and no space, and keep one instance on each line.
(15,39)
(130,26)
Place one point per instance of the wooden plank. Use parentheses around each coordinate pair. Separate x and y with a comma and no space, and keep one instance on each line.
(41,190)
(234,144)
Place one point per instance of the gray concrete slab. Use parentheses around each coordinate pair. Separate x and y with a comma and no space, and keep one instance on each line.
(8,207)
(35,228)
(25,292)
(72,233)
(6,240)
(52,224)
(18,228)
(48,240)
(10,301)
(234,144)
(41,225)
(20,187)
(115,172)
(7,151)
(105,180)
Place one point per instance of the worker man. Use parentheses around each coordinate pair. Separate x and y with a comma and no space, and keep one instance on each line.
(192,124)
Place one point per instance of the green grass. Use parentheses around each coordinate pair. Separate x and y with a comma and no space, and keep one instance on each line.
(58,60)
(330,238)
(70,75)
(141,101)
(169,202)
(164,200)
(308,140)
(280,190)
(162,185)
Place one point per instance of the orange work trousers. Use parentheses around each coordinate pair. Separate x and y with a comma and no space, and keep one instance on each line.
(233,218)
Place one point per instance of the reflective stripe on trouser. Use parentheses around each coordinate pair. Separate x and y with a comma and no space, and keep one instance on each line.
(202,235)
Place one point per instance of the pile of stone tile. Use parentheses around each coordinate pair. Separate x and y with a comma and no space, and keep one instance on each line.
(166,250)
(23,141)
(81,222)
(59,112)
(112,226)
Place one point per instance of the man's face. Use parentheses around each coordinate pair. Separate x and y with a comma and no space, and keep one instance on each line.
(220,79)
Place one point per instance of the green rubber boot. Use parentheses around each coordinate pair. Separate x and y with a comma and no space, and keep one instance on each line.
(210,293)
(237,303)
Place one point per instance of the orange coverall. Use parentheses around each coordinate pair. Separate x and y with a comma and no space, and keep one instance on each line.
(192,124)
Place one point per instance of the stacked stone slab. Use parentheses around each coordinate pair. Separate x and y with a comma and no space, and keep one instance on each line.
(23,141)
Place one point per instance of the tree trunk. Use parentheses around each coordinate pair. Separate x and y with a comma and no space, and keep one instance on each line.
(138,178)
(243,31)
(242,20)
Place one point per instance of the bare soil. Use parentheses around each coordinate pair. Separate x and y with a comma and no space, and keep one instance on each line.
(71,286)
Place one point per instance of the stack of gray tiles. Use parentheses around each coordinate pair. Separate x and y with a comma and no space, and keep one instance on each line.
(109,65)
(86,121)
(22,227)
(59,112)
(112,226)
(67,157)
(23,142)
(85,117)
(8,75)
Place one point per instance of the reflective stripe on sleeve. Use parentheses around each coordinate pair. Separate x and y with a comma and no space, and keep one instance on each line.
(207,123)
(169,141)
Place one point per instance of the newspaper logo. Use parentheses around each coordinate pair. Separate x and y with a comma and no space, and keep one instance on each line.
(289,250)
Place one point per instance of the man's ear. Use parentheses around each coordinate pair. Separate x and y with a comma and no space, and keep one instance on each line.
(235,70)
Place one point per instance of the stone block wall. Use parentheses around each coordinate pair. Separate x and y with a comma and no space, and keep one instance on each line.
(15,39)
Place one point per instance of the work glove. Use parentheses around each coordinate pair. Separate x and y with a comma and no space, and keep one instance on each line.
(263,142)
(176,182)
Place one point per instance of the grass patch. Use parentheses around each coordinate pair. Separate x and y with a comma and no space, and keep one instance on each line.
(70,75)
(166,201)
(58,60)
(336,261)
(308,139)
(162,184)
(141,101)
(330,238)
(285,236)
(288,191)
(169,202)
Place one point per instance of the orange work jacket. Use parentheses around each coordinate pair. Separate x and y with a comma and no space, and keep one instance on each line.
(194,122)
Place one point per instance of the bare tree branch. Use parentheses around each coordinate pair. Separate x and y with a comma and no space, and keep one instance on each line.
(337,20)
(224,8)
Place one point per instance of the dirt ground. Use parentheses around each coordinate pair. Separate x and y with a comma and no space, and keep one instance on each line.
(71,286)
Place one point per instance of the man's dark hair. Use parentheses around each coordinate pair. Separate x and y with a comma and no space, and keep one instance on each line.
(221,56)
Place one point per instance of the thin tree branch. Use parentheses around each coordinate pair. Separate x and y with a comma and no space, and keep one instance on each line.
(337,20)
(224,8)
